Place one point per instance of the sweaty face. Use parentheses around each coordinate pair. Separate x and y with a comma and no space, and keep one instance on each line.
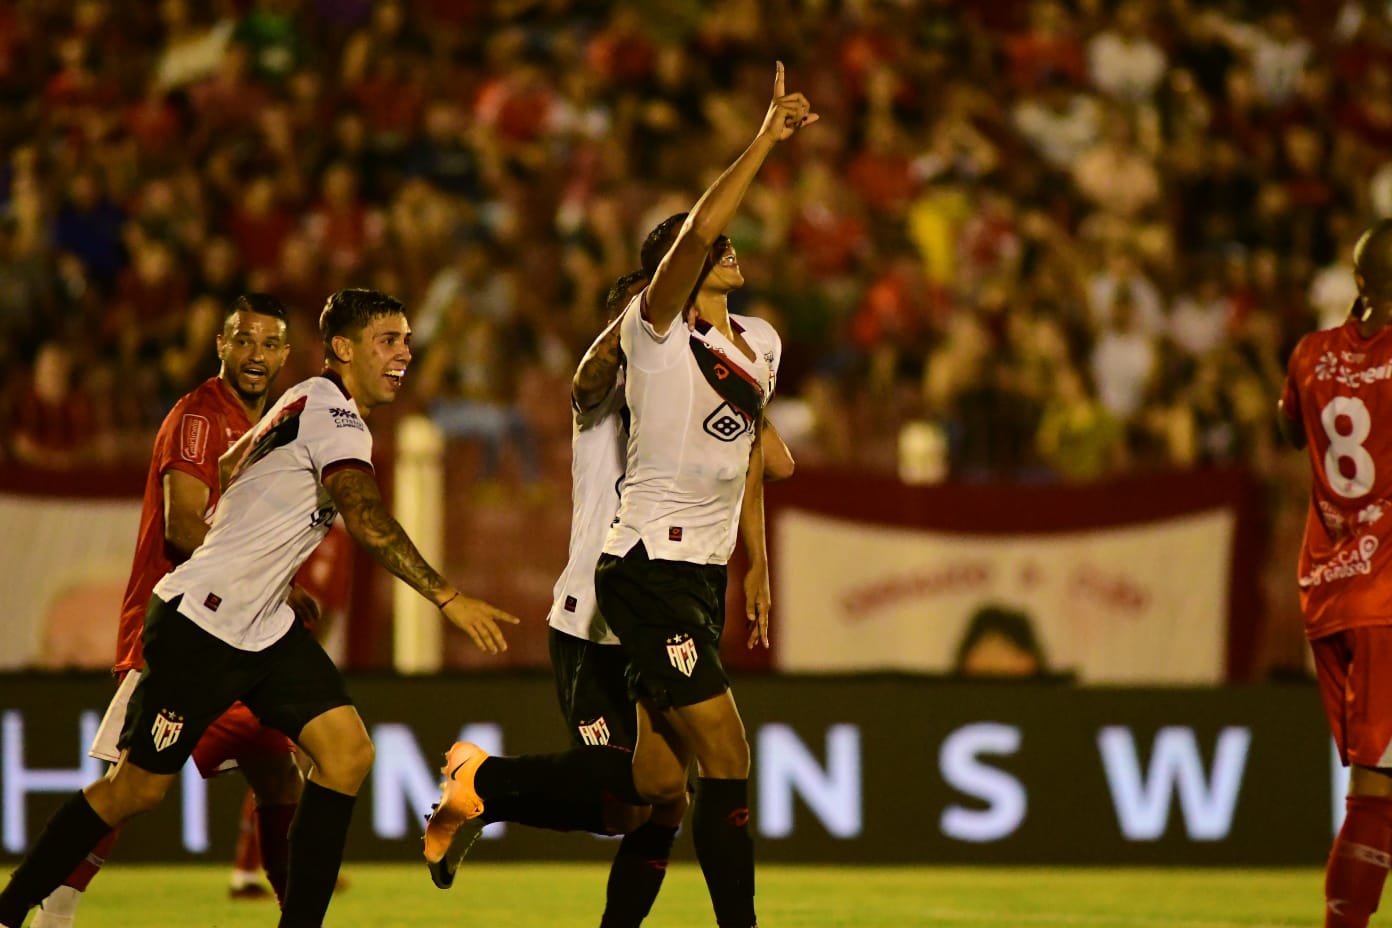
(380,355)
(253,349)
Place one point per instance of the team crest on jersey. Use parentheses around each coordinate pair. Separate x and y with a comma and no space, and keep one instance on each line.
(594,733)
(167,729)
(346,418)
(681,651)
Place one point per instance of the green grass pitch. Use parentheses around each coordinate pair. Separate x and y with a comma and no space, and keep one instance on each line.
(553,895)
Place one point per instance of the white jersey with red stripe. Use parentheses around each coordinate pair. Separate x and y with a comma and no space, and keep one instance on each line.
(694,398)
(598,438)
(273,514)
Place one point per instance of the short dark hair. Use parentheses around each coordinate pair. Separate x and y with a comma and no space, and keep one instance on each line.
(263,304)
(622,291)
(348,312)
(661,239)
(1013,625)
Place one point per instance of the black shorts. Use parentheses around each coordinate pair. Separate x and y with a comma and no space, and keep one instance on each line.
(669,616)
(191,677)
(592,686)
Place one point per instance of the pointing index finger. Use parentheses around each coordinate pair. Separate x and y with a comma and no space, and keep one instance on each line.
(778,80)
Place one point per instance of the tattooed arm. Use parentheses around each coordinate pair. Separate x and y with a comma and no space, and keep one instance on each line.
(355,494)
(598,369)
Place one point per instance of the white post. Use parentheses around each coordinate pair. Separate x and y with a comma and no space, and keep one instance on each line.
(419,504)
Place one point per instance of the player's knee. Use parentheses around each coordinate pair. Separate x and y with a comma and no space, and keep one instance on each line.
(662,787)
(278,785)
(358,758)
(121,797)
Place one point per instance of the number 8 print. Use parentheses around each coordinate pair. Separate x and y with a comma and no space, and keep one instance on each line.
(1348,447)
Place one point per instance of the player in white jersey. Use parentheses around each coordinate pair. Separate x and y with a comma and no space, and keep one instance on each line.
(693,479)
(218,628)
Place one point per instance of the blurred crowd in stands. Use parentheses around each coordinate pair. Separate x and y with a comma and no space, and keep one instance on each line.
(1069,238)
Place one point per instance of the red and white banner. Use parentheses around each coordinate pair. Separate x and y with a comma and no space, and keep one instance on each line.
(1151,580)
(1131,604)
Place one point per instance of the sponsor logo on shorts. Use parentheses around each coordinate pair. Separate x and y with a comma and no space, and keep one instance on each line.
(167,728)
(570,604)
(193,438)
(681,651)
(594,733)
(212,602)
(346,418)
(674,533)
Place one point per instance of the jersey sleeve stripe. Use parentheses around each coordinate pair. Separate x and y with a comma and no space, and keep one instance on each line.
(345,464)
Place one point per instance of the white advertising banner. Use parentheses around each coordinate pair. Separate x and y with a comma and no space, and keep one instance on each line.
(1131,604)
(67,561)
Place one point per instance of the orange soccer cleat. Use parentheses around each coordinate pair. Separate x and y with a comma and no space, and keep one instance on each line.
(453,827)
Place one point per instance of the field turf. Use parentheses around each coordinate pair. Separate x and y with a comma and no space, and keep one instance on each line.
(555,895)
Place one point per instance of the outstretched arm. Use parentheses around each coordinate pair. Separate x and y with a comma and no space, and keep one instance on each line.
(681,268)
(355,494)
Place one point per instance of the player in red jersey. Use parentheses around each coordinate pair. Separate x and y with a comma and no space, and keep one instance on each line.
(1338,402)
(181,489)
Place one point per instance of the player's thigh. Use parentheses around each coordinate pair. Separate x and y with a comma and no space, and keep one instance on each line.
(592,689)
(715,733)
(301,683)
(238,739)
(1354,669)
(190,678)
(669,616)
(661,757)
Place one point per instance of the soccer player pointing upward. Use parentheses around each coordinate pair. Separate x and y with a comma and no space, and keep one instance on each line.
(218,628)
(693,470)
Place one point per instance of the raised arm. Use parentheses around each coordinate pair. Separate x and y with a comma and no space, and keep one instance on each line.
(681,268)
(598,369)
(355,494)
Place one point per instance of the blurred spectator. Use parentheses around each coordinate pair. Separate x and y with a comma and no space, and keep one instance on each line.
(999,642)
(53,425)
(1060,123)
(1125,62)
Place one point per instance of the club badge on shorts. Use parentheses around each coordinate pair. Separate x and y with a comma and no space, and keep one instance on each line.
(596,732)
(166,729)
(681,651)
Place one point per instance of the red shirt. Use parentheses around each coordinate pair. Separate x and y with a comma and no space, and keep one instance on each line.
(202,425)
(1339,389)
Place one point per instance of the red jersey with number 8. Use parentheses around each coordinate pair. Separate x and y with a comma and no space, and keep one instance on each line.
(1339,390)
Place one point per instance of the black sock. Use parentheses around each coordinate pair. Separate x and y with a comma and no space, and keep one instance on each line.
(317,836)
(636,875)
(580,773)
(551,814)
(725,849)
(68,837)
